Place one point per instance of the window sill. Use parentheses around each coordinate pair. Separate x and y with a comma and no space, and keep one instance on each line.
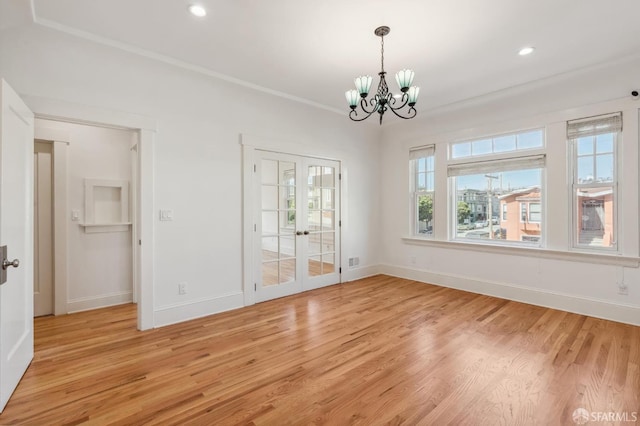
(603,259)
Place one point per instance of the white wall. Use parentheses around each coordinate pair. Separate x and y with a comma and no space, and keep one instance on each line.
(198,155)
(99,264)
(551,277)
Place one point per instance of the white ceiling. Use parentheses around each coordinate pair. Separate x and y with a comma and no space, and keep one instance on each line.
(459,49)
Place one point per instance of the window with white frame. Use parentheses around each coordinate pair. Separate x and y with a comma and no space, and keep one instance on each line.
(498,196)
(594,185)
(535,215)
(422,189)
(532,139)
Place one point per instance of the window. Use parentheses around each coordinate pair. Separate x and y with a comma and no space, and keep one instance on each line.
(422,187)
(505,143)
(506,180)
(594,183)
(534,213)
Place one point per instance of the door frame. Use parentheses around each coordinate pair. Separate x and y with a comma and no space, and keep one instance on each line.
(290,146)
(144,230)
(37,210)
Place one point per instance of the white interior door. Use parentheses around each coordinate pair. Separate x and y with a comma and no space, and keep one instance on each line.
(321,246)
(277,205)
(296,208)
(16,233)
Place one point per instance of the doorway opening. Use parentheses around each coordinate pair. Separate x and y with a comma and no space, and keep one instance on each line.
(86,221)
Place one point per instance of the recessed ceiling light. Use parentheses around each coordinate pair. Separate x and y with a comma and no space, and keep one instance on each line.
(526,51)
(197,10)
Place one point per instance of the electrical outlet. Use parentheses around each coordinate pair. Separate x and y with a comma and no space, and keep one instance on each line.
(623,289)
(182,288)
(412,260)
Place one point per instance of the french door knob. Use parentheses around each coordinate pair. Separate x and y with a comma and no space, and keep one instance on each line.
(299,233)
(306,232)
(6,263)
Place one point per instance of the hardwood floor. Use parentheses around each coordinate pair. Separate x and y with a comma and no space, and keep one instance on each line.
(381,350)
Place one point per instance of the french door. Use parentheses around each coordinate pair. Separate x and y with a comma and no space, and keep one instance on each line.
(296,208)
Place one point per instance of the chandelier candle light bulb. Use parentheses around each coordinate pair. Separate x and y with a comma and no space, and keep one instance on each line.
(383,100)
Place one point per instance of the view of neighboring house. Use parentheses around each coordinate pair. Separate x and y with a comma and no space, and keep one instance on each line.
(595,213)
(476,199)
(520,214)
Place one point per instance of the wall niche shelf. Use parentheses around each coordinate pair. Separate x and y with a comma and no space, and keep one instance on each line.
(106,204)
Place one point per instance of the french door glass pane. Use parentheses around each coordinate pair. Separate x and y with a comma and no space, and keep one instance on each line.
(269,197)
(287,270)
(314,220)
(269,172)
(328,242)
(328,197)
(278,221)
(315,266)
(270,248)
(327,220)
(321,220)
(287,246)
(328,178)
(269,222)
(328,263)
(314,245)
(269,273)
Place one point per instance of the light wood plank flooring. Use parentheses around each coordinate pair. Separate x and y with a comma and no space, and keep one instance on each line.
(381,350)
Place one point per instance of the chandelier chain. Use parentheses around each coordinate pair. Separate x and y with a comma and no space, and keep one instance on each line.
(382,53)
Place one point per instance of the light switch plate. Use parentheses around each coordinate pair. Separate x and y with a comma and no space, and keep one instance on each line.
(75,215)
(166,215)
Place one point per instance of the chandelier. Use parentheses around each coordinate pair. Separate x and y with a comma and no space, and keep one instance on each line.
(383,99)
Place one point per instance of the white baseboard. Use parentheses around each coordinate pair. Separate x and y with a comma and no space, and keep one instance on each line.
(96,302)
(359,273)
(173,314)
(580,305)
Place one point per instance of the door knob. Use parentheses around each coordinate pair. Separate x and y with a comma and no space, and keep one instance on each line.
(299,233)
(306,232)
(6,263)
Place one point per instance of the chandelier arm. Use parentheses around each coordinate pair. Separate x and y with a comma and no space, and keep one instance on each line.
(374,105)
(353,113)
(404,100)
(409,113)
